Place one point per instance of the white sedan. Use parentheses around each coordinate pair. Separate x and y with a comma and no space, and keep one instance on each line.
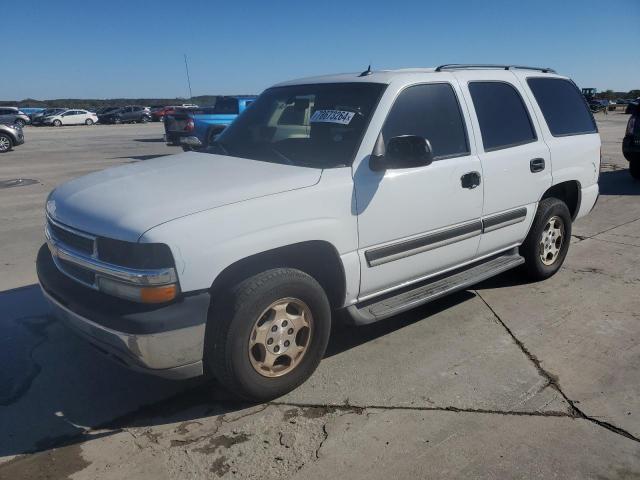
(71,117)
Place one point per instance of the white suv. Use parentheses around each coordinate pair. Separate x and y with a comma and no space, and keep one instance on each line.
(365,193)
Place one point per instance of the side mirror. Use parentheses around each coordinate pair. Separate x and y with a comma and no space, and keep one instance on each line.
(404,151)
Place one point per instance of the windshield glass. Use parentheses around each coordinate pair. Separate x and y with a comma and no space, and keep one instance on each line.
(318,126)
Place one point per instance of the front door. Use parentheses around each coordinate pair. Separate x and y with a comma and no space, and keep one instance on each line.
(414,222)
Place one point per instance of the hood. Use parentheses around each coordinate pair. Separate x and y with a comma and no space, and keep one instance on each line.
(124,202)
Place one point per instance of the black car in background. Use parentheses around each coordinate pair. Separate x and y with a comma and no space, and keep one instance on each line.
(631,141)
(13,116)
(38,119)
(128,114)
(10,136)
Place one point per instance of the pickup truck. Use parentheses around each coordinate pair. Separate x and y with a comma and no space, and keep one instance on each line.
(195,128)
(351,197)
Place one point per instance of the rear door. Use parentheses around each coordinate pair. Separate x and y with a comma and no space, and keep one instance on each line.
(70,117)
(515,159)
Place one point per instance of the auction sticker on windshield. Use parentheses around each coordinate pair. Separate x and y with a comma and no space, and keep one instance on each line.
(332,116)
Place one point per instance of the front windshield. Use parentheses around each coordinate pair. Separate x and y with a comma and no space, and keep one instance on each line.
(317,126)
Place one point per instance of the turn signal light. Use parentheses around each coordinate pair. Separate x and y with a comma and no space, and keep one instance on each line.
(162,294)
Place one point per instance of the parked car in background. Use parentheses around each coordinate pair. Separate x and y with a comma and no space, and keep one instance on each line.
(158,114)
(128,114)
(10,136)
(31,111)
(632,107)
(195,128)
(71,117)
(13,115)
(343,197)
(631,142)
(38,118)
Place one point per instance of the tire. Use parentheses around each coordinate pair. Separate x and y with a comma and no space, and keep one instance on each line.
(144,119)
(117,120)
(57,123)
(6,143)
(634,168)
(19,123)
(232,322)
(88,122)
(550,212)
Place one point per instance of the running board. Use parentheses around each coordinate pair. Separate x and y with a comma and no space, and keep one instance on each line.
(412,296)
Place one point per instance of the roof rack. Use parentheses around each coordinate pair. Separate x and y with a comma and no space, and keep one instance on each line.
(462,66)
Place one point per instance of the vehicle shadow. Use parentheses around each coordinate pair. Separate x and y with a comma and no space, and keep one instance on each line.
(149,140)
(145,157)
(618,182)
(59,391)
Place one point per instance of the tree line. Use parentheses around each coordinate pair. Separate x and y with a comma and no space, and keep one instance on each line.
(94,104)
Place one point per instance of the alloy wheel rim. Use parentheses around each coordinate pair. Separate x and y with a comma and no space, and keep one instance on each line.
(280,337)
(4,144)
(551,240)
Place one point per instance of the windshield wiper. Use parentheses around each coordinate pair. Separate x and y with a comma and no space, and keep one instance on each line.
(282,156)
(218,143)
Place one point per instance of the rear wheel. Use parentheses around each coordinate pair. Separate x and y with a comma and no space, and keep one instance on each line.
(19,123)
(57,123)
(547,243)
(268,334)
(634,168)
(88,122)
(5,143)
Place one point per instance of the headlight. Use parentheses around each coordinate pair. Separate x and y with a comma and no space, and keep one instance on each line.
(142,260)
(159,294)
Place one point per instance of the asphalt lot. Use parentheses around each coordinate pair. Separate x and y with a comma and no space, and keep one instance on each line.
(509,380)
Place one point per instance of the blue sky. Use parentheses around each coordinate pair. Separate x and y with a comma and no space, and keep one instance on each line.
(117,48)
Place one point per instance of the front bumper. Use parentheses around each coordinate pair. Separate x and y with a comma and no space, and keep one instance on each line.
(165,340)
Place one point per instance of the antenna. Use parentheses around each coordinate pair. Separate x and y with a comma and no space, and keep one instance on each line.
(186,66)
(366,72)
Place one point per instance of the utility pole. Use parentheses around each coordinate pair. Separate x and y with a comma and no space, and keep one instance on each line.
(186,66)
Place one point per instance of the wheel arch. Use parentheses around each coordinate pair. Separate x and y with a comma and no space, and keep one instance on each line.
(317,258)
(569,192)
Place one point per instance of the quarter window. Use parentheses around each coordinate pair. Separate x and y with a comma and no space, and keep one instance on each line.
(563,106)
(503,117)
(430,111)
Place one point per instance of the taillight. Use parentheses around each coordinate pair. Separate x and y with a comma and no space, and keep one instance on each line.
(189,126)
(630,125)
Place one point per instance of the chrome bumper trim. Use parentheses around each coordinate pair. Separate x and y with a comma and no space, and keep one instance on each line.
(172,354)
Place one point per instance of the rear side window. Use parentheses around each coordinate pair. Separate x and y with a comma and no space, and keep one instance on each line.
(430,111)
(503,117)
(563,106)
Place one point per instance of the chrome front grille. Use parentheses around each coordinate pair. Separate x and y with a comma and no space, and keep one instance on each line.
(74,241)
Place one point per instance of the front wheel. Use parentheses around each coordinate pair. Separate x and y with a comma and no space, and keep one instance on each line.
(547,243)
(5,143)
(19,123)
(267,335)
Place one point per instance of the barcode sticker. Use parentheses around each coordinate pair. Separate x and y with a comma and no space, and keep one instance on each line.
(332,116)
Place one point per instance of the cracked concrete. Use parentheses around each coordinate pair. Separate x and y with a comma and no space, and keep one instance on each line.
(511,380)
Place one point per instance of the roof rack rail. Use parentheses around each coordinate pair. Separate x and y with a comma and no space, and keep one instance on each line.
(461,66)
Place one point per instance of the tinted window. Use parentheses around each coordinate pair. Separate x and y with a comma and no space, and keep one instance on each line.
(226,105)
(563,106)
(430,111)
(504,120)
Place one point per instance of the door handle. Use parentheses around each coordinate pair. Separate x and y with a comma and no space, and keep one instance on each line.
(470,180)
(536,165)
